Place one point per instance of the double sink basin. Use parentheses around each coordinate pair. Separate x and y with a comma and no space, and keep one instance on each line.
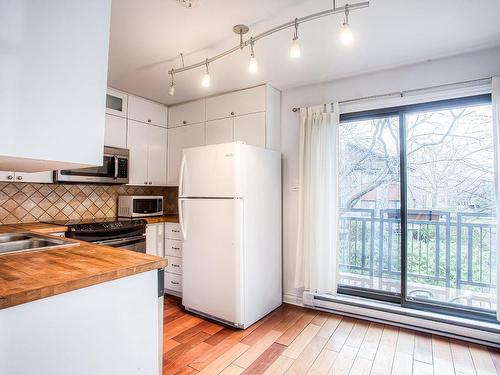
(22,242)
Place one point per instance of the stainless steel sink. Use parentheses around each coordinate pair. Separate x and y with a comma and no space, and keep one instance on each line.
(20,242)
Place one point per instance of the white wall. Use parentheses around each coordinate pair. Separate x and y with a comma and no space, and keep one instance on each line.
(449,70)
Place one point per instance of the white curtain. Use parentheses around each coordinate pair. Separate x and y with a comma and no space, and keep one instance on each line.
(318,216)
(495,101)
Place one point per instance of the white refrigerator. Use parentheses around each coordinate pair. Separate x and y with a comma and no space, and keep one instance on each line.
(230,216)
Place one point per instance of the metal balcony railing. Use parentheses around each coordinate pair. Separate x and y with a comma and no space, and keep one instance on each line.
(445,249)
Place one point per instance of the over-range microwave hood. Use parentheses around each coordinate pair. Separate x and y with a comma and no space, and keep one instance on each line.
(114,169)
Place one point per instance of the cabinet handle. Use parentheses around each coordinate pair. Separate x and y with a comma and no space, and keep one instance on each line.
(175,265)
(149,120)
(175,282)
(10,177)
(19,178)
(184,122)
(176,248)
(232,113)
(150,183)
(175,231)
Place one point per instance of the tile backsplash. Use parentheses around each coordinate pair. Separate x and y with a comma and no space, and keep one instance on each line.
(25,203)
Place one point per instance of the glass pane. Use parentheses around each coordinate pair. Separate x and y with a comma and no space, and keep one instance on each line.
(114,102)
(370,205)
(451,257)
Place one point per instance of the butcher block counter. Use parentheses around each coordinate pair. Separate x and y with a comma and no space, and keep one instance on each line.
(162,219)
(32,275)
(86,309)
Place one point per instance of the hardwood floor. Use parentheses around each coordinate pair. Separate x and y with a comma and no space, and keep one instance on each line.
(295,340)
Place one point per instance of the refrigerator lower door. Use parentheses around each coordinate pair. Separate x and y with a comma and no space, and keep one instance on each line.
(212,258)
(210,171)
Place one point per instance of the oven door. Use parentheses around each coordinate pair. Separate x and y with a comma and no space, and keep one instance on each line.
(137,243)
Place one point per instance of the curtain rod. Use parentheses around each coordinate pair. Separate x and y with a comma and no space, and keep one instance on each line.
(405,92)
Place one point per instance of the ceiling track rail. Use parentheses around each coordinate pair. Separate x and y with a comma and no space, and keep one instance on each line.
(290,24)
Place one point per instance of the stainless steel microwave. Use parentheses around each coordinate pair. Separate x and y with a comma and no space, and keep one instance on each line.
(140,206)
(114,169)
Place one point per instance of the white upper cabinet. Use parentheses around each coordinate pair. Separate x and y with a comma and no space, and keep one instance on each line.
(219,131)
(146,111)
(54,68)
(116,103)
(138,137)
(236,103)
(115,132)
(179,138)
(148,154)
(186,114)
(36,177)
(251,129)
(157,156)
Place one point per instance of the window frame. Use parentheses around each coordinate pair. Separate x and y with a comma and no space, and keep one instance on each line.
(401,298)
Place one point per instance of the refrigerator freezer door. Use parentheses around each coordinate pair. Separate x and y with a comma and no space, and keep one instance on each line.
(210,171)
(212,258)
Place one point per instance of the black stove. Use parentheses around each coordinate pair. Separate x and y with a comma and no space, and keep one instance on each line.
(121,232)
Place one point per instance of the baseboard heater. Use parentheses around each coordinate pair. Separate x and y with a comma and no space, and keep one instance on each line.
(464,329)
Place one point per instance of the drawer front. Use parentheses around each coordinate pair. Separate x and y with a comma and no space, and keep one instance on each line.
(173,231)
(174,265)
(173,247)
(173,282)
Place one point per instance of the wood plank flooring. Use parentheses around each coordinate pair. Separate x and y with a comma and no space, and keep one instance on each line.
(295,340)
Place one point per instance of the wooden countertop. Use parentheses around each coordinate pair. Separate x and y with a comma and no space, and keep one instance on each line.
(162,219)
(33,227)
(29,276)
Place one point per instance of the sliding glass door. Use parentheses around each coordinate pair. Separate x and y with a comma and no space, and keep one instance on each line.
(418,206)
(370,250)
(450,248)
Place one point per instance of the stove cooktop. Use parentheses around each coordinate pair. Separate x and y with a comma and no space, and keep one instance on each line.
(104,220)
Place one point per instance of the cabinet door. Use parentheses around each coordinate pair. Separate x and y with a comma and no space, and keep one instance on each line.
(36,177)
(251,129)
(236,103)
(146,111)
(179,138)
(155,239)
(157,156)
(115,131)
(7,176)
(219,131)
(116,103)
(186,114)
(137,143)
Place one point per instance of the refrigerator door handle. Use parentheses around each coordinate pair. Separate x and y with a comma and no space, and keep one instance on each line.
(181,218)
(181,176)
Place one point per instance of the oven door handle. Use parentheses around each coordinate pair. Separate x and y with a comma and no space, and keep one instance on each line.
(122,241)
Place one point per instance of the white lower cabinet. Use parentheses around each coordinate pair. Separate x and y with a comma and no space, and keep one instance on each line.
(173,283)
(155,239)
(173,251)
(179,138)
(35,177)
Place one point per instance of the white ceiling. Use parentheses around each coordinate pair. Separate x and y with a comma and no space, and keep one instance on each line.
(147,35)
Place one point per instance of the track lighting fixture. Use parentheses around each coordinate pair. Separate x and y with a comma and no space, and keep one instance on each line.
(295,48)
(205,82)
(346,36)
(171,89)
(253,65)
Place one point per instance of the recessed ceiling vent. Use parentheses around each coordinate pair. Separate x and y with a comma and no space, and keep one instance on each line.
(188,3)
